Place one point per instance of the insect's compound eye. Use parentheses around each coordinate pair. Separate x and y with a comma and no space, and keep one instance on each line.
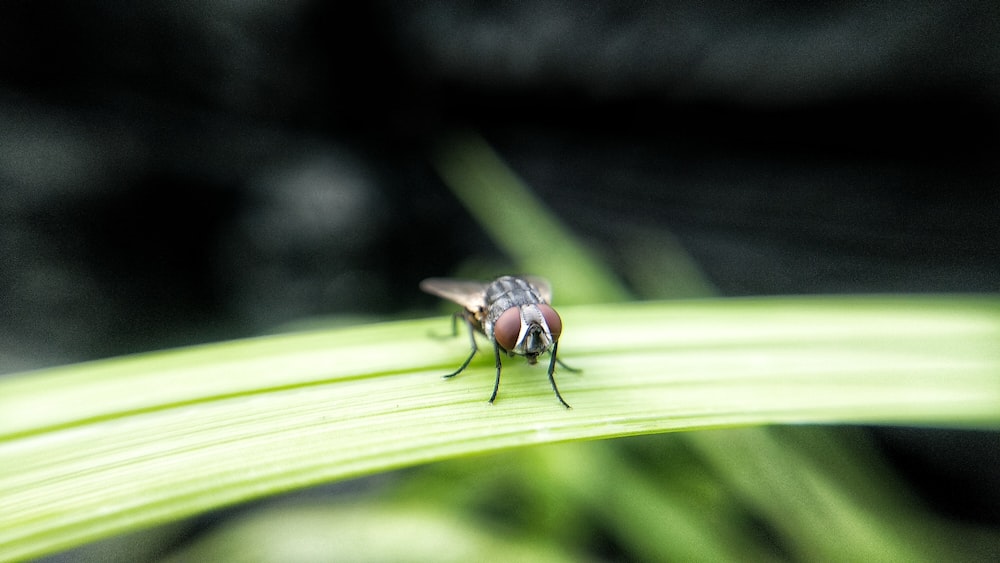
(508,328)
(552,319)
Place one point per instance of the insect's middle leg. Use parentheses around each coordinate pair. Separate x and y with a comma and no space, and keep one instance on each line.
(472,341)
(552,369)
(496,384)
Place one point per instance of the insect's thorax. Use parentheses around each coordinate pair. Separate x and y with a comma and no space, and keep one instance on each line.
(507,292)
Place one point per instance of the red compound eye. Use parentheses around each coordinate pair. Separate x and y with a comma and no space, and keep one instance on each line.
(508,328)
(552,319)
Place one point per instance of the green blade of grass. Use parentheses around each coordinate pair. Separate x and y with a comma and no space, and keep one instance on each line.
(97,449)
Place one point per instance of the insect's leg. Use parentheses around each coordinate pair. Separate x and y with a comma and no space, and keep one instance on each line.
(552,379)
(454,327)
(564,366)
(472,341)
(496,385)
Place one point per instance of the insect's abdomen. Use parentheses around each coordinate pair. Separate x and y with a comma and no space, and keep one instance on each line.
(507,292)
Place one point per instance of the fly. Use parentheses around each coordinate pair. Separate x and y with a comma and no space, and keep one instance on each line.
(514,314)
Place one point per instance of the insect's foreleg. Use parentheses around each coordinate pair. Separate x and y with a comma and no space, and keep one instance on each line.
(496,384)
(472,341)
(552,369)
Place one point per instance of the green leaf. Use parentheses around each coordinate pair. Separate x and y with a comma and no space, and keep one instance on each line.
(92,450)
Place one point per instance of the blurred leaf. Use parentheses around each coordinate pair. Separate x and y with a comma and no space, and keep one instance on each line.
(360,532)
(102,448)
(522,225)
(824,505)
(658,267)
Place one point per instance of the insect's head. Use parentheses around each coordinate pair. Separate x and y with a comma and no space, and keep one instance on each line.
(528,330)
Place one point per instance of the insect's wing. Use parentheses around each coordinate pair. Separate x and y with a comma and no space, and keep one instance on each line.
(542,285)
(467,293)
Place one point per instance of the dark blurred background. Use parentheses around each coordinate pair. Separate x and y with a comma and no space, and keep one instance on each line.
(177,172)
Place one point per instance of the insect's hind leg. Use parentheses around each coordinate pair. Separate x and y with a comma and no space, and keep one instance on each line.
(566,367)
(472,341)
(454,328)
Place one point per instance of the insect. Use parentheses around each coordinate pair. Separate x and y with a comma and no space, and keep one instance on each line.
(514,314)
